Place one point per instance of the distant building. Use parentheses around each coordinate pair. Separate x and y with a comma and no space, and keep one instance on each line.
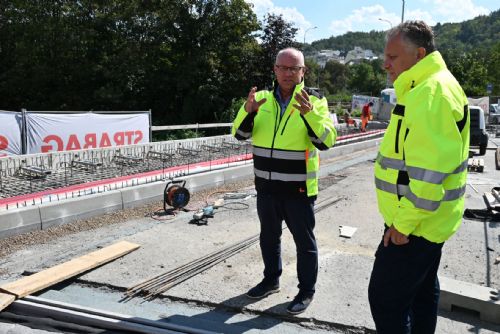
(358,54)
(354,56)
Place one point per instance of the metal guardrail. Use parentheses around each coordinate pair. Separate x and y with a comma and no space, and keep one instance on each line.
(190,126)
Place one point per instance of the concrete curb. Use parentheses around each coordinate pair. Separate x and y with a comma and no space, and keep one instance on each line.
(470,296)
(58,213)
(20,221)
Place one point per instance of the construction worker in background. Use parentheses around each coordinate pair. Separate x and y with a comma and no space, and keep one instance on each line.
(366,114)
(420,178)
(347,117)
(287,124)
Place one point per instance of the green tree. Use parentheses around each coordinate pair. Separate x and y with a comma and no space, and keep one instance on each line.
(312,72)
(186,60)
(365,80)
(336,76)
(470,71)
(493,66)
(277,34)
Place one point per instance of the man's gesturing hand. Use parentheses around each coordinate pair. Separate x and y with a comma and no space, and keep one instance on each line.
(395,237)
(252,105)
(304,105)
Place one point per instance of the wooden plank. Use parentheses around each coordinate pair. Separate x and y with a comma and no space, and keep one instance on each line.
(59,273)
(6,299)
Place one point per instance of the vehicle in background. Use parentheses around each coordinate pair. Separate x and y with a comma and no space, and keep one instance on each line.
(494,117)
(478,134)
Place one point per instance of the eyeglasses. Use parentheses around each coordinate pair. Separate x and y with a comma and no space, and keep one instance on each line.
(292,69)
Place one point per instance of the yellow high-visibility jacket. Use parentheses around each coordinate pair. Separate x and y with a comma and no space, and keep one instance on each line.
(421,168)
(285,148)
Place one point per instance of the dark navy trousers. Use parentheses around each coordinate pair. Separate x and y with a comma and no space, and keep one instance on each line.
(404,287)
(298,214)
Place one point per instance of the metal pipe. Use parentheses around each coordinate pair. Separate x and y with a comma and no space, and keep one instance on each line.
(40,307)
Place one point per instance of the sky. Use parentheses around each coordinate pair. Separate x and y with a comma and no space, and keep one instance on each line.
(333,18)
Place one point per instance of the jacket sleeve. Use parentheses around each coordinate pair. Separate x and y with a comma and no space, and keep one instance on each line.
(433,151)
(243,124)
(319,125)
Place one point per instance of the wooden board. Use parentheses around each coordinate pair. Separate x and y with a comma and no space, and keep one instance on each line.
(59,273)
(6,300)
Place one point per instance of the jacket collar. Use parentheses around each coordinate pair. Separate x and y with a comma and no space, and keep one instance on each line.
(298,87)
(430,64)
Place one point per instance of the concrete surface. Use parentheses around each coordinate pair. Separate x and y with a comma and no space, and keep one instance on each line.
(341,303)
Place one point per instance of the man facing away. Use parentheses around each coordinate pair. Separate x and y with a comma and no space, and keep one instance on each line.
(287,124)
(420,178)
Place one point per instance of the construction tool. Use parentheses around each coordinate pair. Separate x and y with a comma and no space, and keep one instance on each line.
(175,195)
(201,217)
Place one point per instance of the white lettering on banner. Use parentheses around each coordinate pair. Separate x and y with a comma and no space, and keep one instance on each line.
(91,141)
(10,133)
(66,132)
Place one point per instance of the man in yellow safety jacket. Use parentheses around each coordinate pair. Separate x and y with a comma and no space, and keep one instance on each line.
(287,124)
(420,178)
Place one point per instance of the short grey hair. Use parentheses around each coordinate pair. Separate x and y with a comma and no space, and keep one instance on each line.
(290,50)
(415,33)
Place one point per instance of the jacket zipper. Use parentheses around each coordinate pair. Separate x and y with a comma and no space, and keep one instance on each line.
(286,122)
(276,127)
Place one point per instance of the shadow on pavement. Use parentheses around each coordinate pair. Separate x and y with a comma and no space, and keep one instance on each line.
(220,319)
(471,318)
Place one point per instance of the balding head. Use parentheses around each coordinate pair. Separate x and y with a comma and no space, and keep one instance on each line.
(289,70)
(290,53)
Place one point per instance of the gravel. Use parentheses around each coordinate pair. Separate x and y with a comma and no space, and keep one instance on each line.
(155,210)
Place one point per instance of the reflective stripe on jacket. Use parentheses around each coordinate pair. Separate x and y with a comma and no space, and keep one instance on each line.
(421,169)
(285,148)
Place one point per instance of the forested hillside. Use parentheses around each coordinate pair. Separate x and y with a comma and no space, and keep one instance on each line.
(482,31)
(373,40)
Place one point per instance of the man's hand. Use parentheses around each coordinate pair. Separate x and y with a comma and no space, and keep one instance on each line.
(304,105)
(252,105)
(395,237)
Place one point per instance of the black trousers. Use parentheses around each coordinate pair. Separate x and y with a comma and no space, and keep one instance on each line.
(298,215)
(404,287)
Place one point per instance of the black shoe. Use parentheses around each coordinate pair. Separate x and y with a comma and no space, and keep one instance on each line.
(299,304)
(262,290)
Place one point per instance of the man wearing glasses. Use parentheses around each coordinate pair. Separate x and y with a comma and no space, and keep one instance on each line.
(287,124)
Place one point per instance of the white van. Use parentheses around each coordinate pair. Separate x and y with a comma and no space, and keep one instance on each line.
(478,134)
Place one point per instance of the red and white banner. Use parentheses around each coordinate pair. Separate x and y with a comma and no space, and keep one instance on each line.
(66,132)
(10,133)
